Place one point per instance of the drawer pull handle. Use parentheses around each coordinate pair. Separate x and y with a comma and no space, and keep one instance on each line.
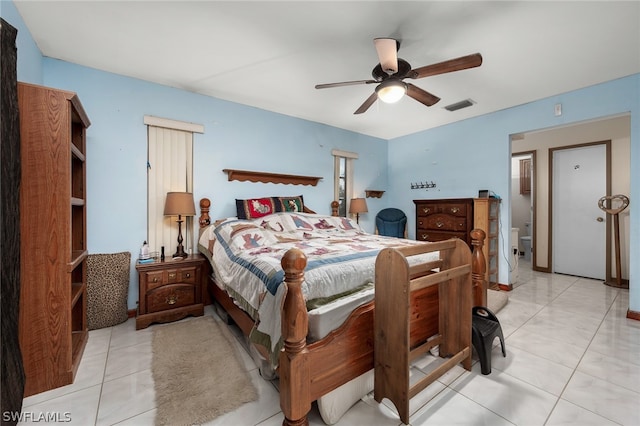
(188,275)
(426,209)
(455,209)
(172,299)
(425,237)
(172,275)
(439,224)
(155,279)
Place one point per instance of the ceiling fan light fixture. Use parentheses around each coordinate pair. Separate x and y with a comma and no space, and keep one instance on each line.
(391,91)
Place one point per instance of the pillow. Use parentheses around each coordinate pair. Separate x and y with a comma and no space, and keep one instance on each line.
(253,208)
(291,204)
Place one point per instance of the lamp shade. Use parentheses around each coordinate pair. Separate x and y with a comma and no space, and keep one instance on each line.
(391,91)
(179,203)
(358,205)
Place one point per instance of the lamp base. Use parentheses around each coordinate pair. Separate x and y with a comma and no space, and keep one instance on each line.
(180,250)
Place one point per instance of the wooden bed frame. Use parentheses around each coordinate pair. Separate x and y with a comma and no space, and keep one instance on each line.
(308,371)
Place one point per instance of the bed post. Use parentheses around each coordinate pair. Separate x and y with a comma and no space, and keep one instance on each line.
(294,364)
(204,220)
(334,208)
(478,268)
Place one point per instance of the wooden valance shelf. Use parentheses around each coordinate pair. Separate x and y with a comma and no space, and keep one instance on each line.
(373,193)
(244,175)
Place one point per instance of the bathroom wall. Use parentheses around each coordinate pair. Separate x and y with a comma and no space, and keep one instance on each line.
(520,203)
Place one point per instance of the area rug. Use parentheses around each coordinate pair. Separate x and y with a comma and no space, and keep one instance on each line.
(198,372)
(496,300)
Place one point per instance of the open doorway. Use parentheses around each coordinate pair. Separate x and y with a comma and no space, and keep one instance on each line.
(543,142)
(522,208)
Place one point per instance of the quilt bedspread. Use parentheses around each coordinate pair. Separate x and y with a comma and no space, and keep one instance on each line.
(246,256)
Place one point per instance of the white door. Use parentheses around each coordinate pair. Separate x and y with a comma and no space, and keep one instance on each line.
(579,226)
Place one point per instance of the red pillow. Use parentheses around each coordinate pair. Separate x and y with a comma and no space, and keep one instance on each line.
(255,207)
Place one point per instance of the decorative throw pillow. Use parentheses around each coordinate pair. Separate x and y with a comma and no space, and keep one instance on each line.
(107,289)
(291,204)
(255,207)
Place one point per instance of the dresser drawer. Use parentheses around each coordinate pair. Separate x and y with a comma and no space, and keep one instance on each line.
(455,209)
(430,235)
(442,222)
(170,296)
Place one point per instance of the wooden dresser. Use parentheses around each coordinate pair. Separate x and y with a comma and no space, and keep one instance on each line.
(438,220)
(53,249)
(170,290)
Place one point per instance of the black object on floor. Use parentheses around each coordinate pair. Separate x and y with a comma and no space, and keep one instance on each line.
(485,327)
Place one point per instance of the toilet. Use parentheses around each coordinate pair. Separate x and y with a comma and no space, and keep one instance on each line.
(525,240)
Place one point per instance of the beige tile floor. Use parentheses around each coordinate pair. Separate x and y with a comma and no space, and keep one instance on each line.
(572,359)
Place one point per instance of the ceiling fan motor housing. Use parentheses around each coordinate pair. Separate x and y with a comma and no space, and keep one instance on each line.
(379,74)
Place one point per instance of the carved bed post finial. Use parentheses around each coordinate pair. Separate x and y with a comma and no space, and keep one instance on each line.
(334,208)
(294,366)
(479,268)
(205,220)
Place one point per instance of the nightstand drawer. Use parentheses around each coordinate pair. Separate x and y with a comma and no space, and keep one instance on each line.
(187,275)
(154,279)
(170,296)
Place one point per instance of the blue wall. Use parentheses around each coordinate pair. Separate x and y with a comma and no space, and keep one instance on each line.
(461,158)
(474,154)
(236,136)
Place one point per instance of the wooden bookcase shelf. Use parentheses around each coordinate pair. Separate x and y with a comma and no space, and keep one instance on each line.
(53,249)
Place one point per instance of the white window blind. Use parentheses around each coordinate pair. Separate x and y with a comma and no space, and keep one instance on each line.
(169,168)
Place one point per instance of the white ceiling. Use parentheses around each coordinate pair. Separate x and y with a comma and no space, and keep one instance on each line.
(270,55)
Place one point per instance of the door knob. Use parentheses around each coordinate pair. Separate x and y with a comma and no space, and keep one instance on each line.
(600,219)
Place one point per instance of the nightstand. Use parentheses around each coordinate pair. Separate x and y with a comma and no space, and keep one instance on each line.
(169,290)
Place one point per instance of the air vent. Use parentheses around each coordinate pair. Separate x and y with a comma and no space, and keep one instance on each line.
(459,105)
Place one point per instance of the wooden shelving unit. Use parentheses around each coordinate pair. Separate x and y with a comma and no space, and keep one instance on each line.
(486,216)
(53,250)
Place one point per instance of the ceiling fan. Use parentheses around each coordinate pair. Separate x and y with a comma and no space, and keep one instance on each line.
(391,71)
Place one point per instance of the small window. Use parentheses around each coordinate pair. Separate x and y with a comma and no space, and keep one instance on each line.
(343,178)
(169,168)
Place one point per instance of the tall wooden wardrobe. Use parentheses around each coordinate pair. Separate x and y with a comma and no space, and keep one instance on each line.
(53,250)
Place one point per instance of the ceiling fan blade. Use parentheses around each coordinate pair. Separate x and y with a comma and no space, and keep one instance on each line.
(387,49)
(421,95)
(457,64)
(344,83)
(365,106)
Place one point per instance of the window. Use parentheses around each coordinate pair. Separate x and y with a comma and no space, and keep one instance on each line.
(169,168)
(343,179)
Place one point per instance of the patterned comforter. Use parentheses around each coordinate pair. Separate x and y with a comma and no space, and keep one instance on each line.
(246,254)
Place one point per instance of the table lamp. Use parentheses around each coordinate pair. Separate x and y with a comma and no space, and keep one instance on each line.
(357,206)
(179,204)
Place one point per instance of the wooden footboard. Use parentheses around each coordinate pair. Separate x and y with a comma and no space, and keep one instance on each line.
(308,371)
